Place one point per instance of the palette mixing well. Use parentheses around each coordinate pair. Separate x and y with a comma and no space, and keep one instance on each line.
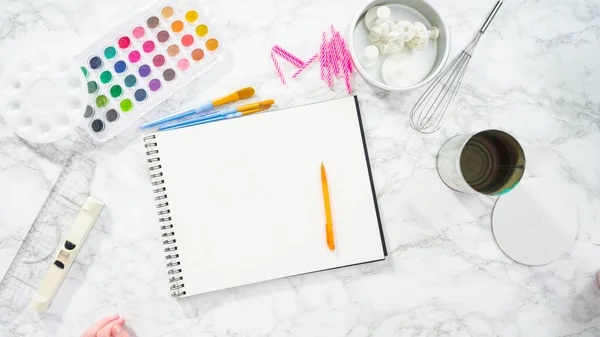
(43,96)
(143,62)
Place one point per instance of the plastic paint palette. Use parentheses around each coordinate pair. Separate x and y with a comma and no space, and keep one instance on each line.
(143,62)
(43,97)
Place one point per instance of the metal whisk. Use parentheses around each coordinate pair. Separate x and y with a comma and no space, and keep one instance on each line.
(430,111)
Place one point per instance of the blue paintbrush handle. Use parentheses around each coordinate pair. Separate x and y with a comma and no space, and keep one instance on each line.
(181,114)
(214,119)
(209,116)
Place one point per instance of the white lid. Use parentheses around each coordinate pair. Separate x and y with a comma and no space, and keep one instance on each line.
(536,222)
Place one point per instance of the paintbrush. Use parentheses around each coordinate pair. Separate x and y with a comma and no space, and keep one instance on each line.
(222,115)
(234,97)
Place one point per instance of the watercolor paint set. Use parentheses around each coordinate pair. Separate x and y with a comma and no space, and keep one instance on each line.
(143,62)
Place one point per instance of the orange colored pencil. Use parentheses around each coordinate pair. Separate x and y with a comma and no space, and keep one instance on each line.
(329,222)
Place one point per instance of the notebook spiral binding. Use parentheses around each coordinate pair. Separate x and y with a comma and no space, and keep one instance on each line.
(167,229)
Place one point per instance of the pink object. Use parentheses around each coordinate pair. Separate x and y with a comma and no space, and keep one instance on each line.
(135,56)
(347,72)
(183,64)
(334,58)
(347,56)
(340,49)
(347,67)
(277,68)
(322,60)
(149,46)
(330,63)
(139,32)
(187,40)
(159,61)
(124,42)
(327,57)
(335,67)
(345,60)
(337,56)
(288,56)
(306,64)
(347,79)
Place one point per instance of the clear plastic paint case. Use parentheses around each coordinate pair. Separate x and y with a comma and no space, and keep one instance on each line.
(143,62)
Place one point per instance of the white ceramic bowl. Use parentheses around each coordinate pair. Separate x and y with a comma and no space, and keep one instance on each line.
(413,10)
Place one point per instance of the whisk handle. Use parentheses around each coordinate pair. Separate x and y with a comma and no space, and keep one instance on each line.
(491,16)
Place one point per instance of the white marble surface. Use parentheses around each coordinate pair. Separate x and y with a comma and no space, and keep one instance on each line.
(22,170)
(535,74)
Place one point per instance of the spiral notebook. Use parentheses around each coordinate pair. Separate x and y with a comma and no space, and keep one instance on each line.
(240,201)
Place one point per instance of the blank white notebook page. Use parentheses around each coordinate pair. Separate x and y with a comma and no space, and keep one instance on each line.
(246,198)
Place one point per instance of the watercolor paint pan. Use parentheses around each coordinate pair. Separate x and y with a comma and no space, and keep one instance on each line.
(143,62)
